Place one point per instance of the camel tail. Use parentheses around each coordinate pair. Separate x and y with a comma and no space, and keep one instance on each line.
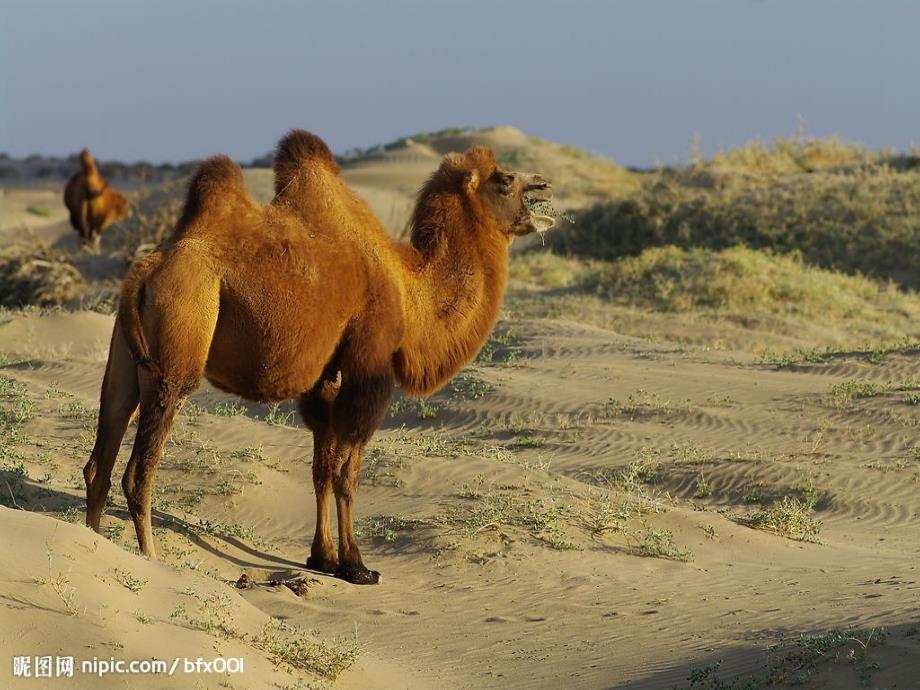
(218,181)
(129,312)
(297,149)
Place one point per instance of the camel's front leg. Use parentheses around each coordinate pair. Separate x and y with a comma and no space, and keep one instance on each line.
(357,412)
(351,567)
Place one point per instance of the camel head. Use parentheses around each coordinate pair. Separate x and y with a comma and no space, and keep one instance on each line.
(511,198)
(86,159)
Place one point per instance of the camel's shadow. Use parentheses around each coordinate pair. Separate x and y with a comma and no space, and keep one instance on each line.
(20,492)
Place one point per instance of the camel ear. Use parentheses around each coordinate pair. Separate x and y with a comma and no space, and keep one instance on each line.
(471,181)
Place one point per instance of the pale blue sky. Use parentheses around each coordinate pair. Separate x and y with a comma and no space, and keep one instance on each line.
(632,79)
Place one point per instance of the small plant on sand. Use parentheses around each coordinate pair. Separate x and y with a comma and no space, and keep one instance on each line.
(379,467)
(39,211)
(276,416)
(422,409)
(16,408)
(639,472)
(793,662)
(289,645)
(385,527)
(808,491)
(796,355)
(790,517)
(689,454)
(59,583)
(214,616)
(604,513)
(71,515)
(707,678)
(844,393)
(468,386)
(501,347)
(229,408)
(192,412)
(755,493)
(76,410)
(541,518)
(128,581)
(114,531)
(659,543)
(703,489)
(639,402)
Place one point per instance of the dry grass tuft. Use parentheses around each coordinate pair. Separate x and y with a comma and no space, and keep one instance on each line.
(35,274)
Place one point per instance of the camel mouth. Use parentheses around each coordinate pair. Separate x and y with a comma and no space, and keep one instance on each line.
(542,214)
(538,215)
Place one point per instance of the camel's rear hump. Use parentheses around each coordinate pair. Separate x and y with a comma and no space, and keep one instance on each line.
(297,150)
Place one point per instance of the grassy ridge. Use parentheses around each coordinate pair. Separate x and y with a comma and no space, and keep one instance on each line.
(734,280)
(705,296)
(839,205)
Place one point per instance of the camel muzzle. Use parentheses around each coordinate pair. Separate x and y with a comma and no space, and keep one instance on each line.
(537,189)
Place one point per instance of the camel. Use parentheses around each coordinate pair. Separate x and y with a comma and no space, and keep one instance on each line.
(93,205)
(307,298)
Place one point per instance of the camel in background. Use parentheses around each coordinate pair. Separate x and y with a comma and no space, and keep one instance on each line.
(307,297)
(93,205)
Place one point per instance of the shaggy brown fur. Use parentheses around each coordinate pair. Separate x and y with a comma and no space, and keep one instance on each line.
(308,298)
(93,205)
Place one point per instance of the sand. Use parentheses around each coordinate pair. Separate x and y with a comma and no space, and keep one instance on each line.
(514,553)
(501,606)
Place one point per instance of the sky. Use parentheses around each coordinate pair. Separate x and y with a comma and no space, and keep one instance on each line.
(171,80)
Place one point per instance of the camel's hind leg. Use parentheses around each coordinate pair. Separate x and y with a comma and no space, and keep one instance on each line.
(118,402)
(322,552)
(180,310)
(159,405)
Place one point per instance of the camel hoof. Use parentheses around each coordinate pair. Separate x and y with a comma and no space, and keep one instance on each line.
(323,565)
(358,575)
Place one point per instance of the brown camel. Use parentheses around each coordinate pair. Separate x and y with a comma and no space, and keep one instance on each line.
(308,298)
(93,205)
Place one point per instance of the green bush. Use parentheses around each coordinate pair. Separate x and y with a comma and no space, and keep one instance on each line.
(740,280)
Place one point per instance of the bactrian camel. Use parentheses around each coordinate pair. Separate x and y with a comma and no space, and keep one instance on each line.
(92,203)
(307,297)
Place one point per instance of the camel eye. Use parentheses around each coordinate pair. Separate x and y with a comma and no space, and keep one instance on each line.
(505,183)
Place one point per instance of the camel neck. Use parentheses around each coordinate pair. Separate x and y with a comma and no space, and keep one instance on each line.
(453,295)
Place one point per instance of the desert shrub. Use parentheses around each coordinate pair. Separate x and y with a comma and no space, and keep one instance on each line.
(154,215)
(33,274)
(791,517)
(740,280)
(793,155)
